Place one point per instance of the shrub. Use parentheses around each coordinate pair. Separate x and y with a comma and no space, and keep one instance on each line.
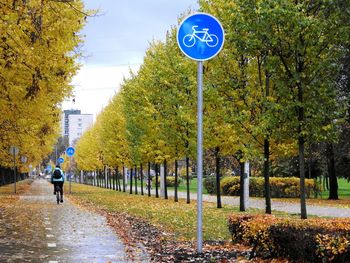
(230,185)
(182,173)
(170,181)
(209,184)
(287,187)
(312,240)
(253,230)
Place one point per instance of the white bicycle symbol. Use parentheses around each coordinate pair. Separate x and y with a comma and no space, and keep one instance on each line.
(210,39)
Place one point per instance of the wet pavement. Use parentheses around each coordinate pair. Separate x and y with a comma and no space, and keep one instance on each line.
(36,229)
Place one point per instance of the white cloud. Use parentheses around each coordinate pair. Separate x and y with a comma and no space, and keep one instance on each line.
(95,86)
(118,37)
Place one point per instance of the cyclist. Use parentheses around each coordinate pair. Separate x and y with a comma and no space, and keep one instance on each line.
(57,178)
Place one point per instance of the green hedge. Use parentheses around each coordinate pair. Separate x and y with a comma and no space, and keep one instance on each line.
(285,187)
(312,240)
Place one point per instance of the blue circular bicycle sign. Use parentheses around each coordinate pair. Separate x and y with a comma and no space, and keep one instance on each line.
(70,151)
(60,160)
(200,36)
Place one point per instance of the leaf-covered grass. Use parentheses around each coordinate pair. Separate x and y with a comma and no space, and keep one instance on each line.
(7,195)
(179,218)
(21,187)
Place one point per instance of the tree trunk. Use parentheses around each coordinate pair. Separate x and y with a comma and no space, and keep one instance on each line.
(301,142)
(176,199)
(123,179)
(333,182)
(187,180)
(111,184)
(130,186)
(135,173)
(149,179)
(267,155)
(267,176)
(3,181)
(218,192)
(101,173)
(112,175)
(157,194)
(241,188)
(118,179)
(98,183)
(105,175)
(106,178)
(95,178)
(141,174)
(165,182)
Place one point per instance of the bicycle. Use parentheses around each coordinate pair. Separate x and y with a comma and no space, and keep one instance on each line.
(210,39)
(58,193)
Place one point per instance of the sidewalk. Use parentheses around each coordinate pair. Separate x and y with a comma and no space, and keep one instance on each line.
(36,229)
(293,208)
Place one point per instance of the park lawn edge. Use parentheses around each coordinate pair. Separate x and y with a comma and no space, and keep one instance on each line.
(178,218)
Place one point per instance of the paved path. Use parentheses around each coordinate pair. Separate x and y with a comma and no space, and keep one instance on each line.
(36,229)
(293,208)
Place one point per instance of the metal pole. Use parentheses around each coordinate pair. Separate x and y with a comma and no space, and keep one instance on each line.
(70,174)
(14,171)
(199,154)
(56,154)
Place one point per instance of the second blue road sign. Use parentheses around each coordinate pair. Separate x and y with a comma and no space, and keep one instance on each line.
(70,151)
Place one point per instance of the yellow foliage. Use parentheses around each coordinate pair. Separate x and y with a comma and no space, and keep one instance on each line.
(36,68)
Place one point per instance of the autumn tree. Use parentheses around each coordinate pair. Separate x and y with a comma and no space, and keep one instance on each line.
(37,61)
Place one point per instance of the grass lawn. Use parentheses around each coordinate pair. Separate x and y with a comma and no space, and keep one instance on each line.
(193,186)
(343,190)
(179,218)
(182,187)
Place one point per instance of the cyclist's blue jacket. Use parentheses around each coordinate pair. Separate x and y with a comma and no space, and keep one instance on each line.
(57,180)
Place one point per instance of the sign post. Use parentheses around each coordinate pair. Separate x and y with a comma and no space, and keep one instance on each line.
(200,37)
(14,151)
(70,152)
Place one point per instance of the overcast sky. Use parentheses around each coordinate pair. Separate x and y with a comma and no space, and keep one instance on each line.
(117,40)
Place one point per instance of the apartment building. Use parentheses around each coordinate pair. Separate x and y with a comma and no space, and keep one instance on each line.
(74,124)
